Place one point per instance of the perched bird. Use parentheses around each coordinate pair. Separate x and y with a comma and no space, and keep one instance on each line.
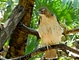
(49,30)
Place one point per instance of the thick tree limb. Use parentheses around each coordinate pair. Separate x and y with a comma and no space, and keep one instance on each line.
(14,18)
(29,30)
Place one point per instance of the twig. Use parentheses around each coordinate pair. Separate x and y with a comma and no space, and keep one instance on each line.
(72,31)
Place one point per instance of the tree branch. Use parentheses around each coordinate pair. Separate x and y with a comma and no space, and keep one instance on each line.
(57,46)
(34,32)
(14,18)
(72,31)
(29,30)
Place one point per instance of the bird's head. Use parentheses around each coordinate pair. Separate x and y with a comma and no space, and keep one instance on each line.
(43,11)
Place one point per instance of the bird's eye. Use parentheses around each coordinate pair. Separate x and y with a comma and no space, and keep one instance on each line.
(42,11)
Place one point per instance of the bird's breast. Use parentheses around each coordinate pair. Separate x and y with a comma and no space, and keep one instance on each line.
(50,32)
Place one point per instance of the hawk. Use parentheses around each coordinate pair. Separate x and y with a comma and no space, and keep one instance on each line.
(50,31)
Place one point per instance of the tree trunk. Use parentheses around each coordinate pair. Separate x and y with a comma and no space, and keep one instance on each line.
(19,37)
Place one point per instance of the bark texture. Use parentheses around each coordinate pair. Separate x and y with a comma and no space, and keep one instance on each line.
(19,37)
(11,23)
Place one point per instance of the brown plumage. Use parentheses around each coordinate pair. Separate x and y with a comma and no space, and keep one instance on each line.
(50,31)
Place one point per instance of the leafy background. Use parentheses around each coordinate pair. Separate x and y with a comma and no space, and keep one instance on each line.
(67,12)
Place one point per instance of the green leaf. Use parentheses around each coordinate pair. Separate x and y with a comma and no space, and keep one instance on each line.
(3,0)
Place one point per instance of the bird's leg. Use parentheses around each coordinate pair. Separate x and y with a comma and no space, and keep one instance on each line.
(48,47)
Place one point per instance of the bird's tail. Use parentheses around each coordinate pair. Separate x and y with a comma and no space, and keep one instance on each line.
(51,54)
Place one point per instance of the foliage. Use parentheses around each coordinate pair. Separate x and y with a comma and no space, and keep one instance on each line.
(65,10)
(7,6)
